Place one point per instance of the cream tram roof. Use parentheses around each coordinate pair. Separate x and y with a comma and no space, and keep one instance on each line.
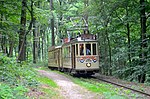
(86,37)
(80,38)
(54,48)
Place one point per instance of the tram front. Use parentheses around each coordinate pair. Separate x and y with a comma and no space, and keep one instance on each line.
(87,58)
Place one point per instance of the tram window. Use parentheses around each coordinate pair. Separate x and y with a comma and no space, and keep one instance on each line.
(51,55)
(81,49)
(94,49)
(88,49)
(69,51)
(76,49)
(66,52)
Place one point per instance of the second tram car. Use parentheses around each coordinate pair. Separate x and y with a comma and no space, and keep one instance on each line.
(78,56)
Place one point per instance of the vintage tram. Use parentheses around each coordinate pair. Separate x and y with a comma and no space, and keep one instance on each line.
(77,56)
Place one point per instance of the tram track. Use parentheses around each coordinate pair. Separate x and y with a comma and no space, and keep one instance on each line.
(120,85)
(98,79)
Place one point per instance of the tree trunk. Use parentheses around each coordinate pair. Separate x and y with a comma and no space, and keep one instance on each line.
(38,44)
(4,47)
(86,2)
(42,45)
(10,48)
(129,41)
(3,38)
(34,34)
(34,42)
(52,23)
(45,46)
(22,34)
(105,66)
(60,20)
(109,71)
(143,53)
(109,49)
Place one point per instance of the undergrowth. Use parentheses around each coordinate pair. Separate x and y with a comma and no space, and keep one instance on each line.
(15,78)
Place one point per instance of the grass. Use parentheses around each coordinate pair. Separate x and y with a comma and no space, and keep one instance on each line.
(47,81)
(48,87)
(107,90)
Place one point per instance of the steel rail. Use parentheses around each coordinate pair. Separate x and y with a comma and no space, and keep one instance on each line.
(141,92)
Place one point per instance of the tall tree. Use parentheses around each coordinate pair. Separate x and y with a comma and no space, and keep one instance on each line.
(86,4)
(34,34)
(143,54)
(52,23)
(22,33)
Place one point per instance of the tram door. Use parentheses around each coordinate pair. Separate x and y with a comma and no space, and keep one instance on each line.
(73,56)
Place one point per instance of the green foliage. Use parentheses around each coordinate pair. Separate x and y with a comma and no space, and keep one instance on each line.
(12,72)
(117,21)
(8,92)
(16,76)
(5,92)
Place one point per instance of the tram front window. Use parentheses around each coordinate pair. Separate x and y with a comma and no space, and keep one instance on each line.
(81,49)
(88,49)
(94,49)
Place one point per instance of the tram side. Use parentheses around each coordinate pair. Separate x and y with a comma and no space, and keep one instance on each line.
(55,57)
(66,58)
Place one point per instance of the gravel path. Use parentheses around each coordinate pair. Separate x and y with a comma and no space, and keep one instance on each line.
(68,89)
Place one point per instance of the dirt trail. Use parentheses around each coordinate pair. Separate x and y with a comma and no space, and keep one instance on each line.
(68,89)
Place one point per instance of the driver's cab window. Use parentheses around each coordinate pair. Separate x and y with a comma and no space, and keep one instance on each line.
(81,49)
(88,49)
(85,49)
(94,49)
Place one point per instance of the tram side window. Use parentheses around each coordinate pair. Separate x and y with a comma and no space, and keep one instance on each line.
(81,49)
(76,49)
(88,49)
(50,56)
(94,49)
(66,52)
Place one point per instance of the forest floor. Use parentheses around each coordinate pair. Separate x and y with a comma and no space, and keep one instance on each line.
(68,89)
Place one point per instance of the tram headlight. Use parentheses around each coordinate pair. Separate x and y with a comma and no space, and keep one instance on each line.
(88,64)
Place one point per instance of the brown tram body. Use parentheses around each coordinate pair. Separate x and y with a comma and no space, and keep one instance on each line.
(69,57)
